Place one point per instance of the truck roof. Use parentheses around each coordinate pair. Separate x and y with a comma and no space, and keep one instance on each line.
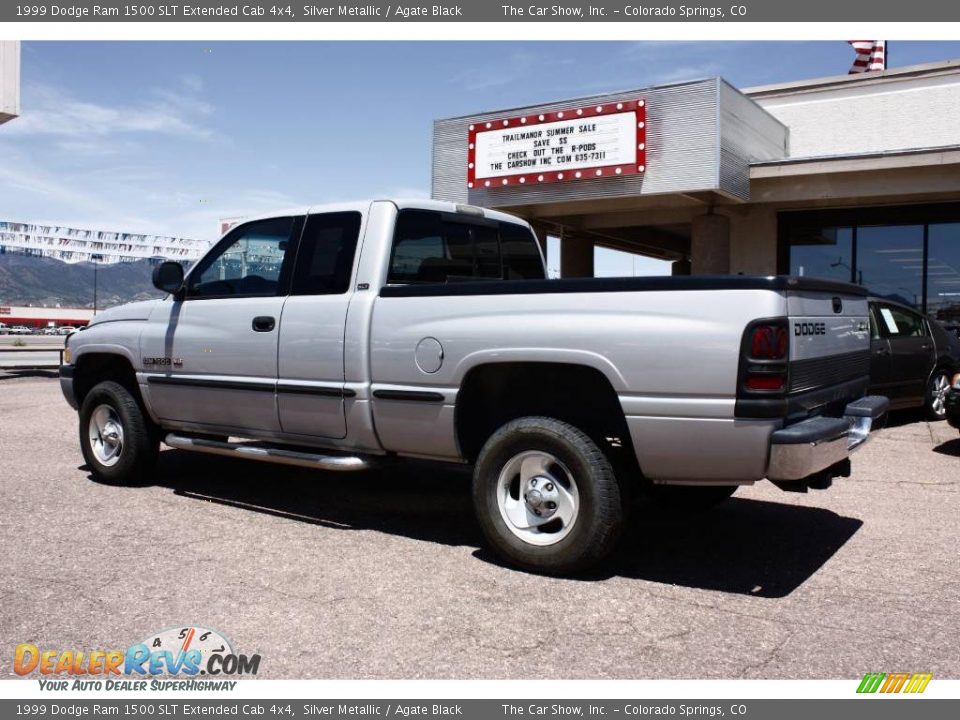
(363,206)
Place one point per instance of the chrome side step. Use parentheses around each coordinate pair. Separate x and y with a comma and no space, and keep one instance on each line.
(268,453)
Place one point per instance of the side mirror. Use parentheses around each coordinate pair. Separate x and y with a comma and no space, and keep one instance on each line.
(168,276)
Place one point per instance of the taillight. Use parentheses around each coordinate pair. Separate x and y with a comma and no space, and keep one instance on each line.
(768,342)
(764,363)
(756,381)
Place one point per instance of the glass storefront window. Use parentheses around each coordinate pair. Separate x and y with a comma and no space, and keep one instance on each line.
(890,262)
(905,253)
(822,253)
(943,272)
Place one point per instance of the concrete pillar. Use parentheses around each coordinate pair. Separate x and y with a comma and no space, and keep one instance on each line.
(680,267)
(710,245)
(576,257)
(753,241)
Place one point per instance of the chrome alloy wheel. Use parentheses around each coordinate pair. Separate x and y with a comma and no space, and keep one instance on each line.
(538,499)
(106,435)
(938,394)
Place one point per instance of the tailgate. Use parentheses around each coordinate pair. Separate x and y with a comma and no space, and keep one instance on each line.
(829,340)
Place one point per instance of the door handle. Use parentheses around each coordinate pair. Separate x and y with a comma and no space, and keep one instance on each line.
(264,323)
(883,352)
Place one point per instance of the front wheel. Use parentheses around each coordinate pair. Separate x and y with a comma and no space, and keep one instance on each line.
(116,438)
(936,399)
(546,497)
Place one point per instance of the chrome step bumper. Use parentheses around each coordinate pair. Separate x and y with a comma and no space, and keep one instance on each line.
(811,446)
(268,453)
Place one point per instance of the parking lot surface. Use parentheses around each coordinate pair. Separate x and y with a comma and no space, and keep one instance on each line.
(381,575)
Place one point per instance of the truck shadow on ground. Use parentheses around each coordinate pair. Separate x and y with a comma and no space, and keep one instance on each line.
(750,547)
(899,418)
(950,447)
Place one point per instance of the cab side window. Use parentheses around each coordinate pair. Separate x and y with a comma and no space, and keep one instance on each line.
(325,258)
(251,261)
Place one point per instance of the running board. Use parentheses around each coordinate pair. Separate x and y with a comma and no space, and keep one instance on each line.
(268,453)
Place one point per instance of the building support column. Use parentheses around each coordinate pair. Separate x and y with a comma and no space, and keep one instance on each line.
(576,257)
(753,241)
(710,245)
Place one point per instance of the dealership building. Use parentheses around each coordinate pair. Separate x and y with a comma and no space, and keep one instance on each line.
(854,177)
(9,80)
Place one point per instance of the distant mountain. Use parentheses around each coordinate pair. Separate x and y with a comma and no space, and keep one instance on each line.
(28,280)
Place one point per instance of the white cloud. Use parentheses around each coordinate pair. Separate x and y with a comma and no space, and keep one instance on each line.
(687,72)
(125,197)
(194,83)
(48,110)
(517,66)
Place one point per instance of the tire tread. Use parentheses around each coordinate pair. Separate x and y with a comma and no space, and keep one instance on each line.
(607,519)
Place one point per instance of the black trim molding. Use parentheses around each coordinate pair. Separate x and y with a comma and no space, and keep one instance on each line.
(286,389)
(413,395)
(630,284)
(212,384)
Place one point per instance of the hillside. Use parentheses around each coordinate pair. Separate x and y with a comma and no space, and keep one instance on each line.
(26,280)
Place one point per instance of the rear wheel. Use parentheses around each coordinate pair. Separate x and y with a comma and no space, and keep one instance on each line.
(118,441)
(546,496)
(936,398)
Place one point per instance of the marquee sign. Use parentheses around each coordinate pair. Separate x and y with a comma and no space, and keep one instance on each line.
(606,140)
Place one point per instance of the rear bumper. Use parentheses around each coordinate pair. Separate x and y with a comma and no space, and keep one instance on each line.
(812,446)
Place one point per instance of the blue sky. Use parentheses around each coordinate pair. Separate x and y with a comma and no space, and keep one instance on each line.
(166,138)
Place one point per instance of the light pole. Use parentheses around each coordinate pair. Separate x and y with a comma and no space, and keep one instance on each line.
(96,258)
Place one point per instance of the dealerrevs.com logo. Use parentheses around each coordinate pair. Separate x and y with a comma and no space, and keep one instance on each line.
(886,683)
(155,663)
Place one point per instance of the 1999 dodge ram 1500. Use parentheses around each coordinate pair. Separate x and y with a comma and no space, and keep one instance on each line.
(332,335)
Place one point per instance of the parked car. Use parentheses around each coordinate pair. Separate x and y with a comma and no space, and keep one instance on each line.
(50,330)
(66,330)
(953,328)
(360,332)
(4,328)
(912,358)
(20,330)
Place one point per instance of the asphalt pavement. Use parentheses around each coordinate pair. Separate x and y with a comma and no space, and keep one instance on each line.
(382,574)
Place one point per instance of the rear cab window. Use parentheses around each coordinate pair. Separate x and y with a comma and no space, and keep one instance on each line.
(440,247)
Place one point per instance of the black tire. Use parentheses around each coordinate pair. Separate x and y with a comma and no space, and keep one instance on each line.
(929,398)
(599,517)
(137,455)
(689,499)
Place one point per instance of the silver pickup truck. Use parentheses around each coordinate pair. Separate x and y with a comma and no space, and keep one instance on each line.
(339,336)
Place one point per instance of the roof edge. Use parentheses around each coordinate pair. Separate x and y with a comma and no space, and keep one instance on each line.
(941,67)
